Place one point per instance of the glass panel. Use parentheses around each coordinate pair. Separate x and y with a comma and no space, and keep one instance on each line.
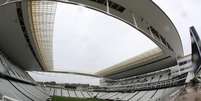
(43,14)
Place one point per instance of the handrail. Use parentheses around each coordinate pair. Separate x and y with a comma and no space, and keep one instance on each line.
(7,77)
(9,2)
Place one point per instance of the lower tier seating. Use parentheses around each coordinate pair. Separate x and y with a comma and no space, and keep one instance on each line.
(17,85)
(151,95)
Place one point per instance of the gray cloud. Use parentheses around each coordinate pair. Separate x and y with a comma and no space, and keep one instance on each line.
(87,41)
(183,13)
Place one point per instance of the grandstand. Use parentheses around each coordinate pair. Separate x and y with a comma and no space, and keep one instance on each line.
(26,42)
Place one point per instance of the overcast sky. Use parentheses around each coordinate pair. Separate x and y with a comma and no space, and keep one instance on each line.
(64,78)
(183,13)
(94,41)
(88,41)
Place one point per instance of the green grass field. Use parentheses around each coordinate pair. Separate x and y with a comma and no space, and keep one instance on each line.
(60,98)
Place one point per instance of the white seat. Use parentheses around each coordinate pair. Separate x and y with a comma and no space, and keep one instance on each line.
(72,93)
(65,93)
(138,96)
(86,94)
(78,93)
(148,95)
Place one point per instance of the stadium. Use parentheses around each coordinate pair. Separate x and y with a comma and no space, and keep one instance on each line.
(163,73)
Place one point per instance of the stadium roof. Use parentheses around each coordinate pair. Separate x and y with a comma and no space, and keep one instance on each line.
(35,25)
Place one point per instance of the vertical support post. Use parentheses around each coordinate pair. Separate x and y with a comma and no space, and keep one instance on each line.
(134,20)
(179,71)
(151,33)
(107,5)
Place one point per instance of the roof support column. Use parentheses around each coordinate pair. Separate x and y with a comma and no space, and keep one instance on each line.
(108,7)
(134,19)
